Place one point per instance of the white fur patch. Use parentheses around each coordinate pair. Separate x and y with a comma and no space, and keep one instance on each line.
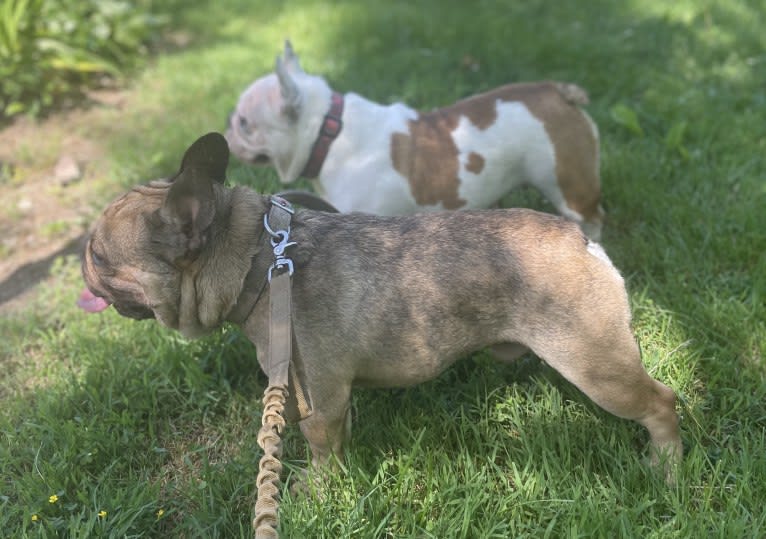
(515,148)
(596,250)
(358,174)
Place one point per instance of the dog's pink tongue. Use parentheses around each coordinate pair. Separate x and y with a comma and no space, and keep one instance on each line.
(91,302)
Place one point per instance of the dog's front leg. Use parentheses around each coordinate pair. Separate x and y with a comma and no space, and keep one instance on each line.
(330,425)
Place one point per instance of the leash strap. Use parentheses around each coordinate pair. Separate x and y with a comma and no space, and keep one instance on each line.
(280,330)
(281,369)
(282,366)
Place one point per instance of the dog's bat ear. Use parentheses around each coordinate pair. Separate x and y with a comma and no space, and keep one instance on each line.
(189,206)
(210,155)
(290,59)
(289,53)
(291,94)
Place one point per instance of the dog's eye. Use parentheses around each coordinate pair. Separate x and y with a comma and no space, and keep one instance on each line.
(243,123)
(97,260)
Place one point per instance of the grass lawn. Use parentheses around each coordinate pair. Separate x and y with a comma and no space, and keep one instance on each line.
(115,428)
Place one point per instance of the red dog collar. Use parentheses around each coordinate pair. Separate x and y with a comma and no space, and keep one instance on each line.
(331,127)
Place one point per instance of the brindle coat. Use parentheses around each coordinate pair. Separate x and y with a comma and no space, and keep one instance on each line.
(378,301)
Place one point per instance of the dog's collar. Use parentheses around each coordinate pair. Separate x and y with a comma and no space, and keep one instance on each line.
(331,127)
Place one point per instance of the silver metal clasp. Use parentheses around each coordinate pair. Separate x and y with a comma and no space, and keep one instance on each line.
(280,239)
(282,203)
(280,243)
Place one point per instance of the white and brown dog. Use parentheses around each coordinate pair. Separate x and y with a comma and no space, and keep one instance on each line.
(394,160)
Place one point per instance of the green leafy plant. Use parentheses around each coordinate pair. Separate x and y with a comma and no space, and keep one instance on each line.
(52,49)
(674,140)
(627,118)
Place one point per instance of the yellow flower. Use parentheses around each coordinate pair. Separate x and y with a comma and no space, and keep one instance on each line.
(53,499)
(35,518)
(160,513)
(102,513)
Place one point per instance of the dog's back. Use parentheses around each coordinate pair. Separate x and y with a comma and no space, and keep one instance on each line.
(385,280)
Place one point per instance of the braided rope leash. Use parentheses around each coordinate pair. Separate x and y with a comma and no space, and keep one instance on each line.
(279,365)
(269,469)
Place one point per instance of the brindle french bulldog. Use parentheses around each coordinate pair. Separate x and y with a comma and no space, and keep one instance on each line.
(377,301)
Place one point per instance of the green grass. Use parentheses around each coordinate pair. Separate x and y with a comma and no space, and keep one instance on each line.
(128,418)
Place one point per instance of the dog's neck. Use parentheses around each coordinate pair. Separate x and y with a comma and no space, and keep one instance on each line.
(211,287)
(317,96)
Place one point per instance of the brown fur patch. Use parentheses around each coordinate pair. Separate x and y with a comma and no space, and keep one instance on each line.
(475,163)
(428,157)
(574,143)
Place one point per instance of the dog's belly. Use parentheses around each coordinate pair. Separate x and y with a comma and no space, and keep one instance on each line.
(392,372)
(417,356)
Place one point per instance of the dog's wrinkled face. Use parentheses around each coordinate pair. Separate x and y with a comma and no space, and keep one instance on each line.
(142,242)
(116,265)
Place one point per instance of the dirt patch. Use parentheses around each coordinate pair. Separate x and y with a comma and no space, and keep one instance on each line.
(47,172)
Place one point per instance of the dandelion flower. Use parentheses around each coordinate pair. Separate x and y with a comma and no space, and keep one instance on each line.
(35,518)
(160,513)
(53,499)
(102,513)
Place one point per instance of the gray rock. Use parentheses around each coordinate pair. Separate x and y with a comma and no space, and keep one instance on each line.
(67,170)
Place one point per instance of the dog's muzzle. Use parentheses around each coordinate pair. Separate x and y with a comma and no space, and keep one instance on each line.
(136,312)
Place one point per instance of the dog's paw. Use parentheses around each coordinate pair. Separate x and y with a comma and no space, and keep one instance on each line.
(312,482)
(300,484)
(664,465)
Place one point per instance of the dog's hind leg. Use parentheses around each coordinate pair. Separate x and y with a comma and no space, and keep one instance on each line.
(609,371)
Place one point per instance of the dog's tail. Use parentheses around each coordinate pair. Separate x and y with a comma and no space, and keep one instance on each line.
(572,93)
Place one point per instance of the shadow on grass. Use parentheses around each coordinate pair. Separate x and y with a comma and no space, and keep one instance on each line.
(32,273)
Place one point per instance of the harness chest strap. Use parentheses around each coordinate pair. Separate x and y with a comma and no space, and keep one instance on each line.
(255,282)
